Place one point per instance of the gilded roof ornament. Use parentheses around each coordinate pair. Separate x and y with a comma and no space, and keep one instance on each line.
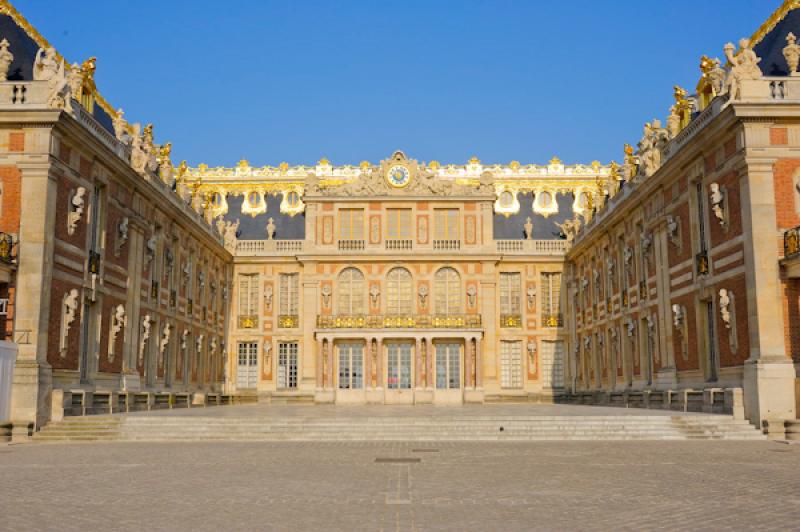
(555,161)
(364,165)
(244,163)
(283,167)
(324,162)
(474,160)
(514,165)
(434,165)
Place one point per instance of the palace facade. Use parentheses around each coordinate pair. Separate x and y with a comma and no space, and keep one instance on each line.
(127,281)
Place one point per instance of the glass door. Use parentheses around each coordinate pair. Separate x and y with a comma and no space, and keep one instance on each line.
(399,366)
(351,366)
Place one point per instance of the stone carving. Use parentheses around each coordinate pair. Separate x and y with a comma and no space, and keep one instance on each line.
(138,154)
(6,58)
(146,324)
(230,235)
(610,270)
(46,64)
(486,183)
(165,334)
(673,227)
(374,229)
(117,323)
(528,228)
(224,292)
(472,293)
(627,255)
(213,345)
(76,208)
(532,355)
(791,53)
(69,307)
(184,339)
(121,127)
(422,292)
(326,295)
(270,229)
(198,345)
(268,297)
(717,199)
(677,316)
(646,241)
(630,327)
(653,141)
(165,166)
(724,307)
(570,229)
(422,229)
(187,271)
(744,66)
(267,364)
(530,294)
(201,279)
(122,235)
(150,249)
(374,294)
(714,73)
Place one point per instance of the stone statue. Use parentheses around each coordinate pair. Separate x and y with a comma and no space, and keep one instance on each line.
(146,324)
(46,65)
(138,153)
(230,235)
(528,228)
(673,122)
(74,79)
(570,228)
(76,209)
(486,183)
(270,229)
(312,184)
(6,58)
(744,66)
(724,307)
(653,141)
(716,202)
(69,309)
(165,334)
(792,53)
(165,167)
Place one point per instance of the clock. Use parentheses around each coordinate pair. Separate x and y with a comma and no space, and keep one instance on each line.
(398,176)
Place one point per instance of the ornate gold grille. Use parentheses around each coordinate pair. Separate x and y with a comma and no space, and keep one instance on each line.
(452,321)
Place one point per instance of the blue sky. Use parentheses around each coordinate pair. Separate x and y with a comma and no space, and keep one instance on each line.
(353,80)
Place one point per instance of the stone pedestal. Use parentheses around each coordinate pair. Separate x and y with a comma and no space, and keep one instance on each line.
(474,395)
(30,393)
(769,390)
(131,382)
(666,378)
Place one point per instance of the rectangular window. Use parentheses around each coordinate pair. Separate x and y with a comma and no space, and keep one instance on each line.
(288,294)
(446,224)
(552,363)
(701,217)
(510,292)
(351,224)
(287,364)
(247,367)
(351,366)
(399,224)
(248,295)
(551,299)
(511,364)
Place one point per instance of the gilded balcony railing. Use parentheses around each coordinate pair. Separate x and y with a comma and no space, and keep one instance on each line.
(288,321)
(249,321)
(553,320)
(791,242)
(451,321)
(510,320)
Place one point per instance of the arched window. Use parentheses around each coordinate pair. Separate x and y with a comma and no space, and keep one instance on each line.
(447,289)
(351,292)
(398,292)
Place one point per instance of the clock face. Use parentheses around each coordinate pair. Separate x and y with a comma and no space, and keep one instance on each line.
(398,176)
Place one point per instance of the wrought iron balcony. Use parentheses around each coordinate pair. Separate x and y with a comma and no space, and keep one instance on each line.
(450,321)
(510,320)
(791,242)
(7,251)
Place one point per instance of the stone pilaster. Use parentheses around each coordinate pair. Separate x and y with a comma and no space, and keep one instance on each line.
(32,383)
(769,374)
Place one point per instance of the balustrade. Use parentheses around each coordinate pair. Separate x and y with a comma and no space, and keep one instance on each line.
(450,321)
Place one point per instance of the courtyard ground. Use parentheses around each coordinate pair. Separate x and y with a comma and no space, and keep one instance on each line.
(393,486)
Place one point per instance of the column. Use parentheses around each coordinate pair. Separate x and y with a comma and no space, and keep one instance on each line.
(667,375)
(379,362)
(769,374)
(320,383)
(32,381)
(419,370)
(329,354)
(479,364)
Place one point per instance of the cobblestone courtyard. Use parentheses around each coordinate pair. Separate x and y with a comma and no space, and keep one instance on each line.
(398,486)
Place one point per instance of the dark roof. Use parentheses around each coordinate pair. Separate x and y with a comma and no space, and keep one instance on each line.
(770,48)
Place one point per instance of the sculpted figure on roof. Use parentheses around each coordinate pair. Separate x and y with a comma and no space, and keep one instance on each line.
(6,57)
(653,141)
(744,66)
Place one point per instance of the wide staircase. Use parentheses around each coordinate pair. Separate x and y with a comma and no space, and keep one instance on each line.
(410,428)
